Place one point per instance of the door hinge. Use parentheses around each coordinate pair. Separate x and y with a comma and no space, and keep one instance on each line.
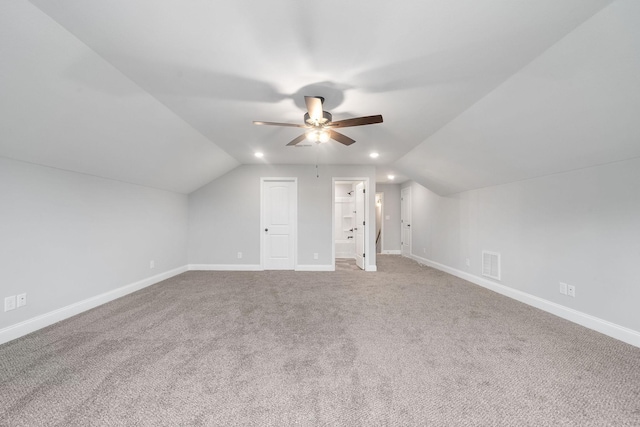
(364,255)
(363,223)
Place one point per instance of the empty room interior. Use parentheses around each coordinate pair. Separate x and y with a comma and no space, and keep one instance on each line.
(345,213)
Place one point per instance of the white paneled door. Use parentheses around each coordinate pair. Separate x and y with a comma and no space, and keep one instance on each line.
(405,220)
(279,223)
(359,225)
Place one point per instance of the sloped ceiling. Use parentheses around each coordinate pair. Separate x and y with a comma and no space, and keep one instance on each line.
(163,93)
(51,115)
(573,107)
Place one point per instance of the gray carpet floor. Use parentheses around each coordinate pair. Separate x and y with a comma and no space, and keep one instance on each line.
(408,345)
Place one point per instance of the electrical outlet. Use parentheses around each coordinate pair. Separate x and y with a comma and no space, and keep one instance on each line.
(22,300)
(571,290)
(239,255)
(10,303)
(152,264)
(315,255)
(563,288)
(468,262)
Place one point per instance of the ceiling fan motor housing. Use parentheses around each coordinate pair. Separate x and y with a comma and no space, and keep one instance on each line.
(326,118)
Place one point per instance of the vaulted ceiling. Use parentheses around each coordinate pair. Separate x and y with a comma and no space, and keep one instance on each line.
(473,93)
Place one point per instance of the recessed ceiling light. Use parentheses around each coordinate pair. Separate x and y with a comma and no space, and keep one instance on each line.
(374,155)
(258,154)
(391,177)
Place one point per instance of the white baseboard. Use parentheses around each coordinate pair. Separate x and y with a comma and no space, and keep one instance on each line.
(349,255)
(588,321)
(225,267)
(312,267)
(371,268)
(392,252)
(30,325)
(254,267)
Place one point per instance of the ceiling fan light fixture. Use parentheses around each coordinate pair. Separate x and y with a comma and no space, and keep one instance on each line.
(391,177)
(374,155)
(258,154)
(312,136)
(323,136)
(317,135)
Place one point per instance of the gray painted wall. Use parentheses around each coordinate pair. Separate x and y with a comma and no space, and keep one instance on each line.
(391,209)
(67,237)
(581,227)
(224,216)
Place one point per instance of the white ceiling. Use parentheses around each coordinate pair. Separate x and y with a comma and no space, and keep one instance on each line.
(163,93)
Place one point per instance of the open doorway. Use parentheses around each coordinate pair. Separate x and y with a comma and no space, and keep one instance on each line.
(349,230)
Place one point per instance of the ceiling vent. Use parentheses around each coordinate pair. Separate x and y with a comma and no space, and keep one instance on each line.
(491,264)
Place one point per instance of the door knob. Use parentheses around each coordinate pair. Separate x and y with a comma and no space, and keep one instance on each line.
(266,229)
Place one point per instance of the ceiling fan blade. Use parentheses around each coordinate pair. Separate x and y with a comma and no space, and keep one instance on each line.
(314,106)
(293,125)
(298,139)
(342,139)
(358,121)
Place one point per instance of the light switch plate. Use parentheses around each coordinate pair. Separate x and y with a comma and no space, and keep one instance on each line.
(10,303)
(563,288)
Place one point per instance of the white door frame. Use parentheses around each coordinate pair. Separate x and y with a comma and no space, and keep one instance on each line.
(295,218)
(360,230)
(367,192)
(381,194)
(407,216)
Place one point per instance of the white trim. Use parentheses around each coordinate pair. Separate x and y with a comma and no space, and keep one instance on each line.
(371,268)
(407,215)
(316,267)
(392,252)
(30,325)
(339,255)
(225,267)
(588,321)
(381,193)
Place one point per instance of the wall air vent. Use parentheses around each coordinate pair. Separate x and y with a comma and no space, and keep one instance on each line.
(491,264)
